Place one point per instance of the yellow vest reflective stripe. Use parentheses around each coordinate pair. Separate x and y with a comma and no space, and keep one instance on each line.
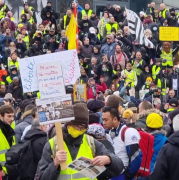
(168,57)
(83,12)
(13,125)
(11,63)
(38,95)
(130,77)
(109,27)
(84,151)
(136,69)
(159,85)
(3,13)
(65,21)
(26,40)
(9,80)
(81,81)
(163,13)
(4,146)
(155,71)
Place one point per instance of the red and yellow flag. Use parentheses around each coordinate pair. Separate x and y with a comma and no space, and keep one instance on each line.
(72,31)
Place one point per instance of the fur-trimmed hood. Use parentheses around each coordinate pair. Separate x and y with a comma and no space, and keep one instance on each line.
(26,114)
(149,111)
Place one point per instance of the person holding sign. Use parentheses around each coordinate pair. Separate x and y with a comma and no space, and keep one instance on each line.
(76,145)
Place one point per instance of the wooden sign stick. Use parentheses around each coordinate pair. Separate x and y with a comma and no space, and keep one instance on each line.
(59,134)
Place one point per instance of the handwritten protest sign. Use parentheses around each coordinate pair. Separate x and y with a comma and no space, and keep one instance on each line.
(169,33)
(28,68)
(50,79)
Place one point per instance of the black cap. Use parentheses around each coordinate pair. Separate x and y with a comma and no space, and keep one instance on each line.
(48,2)
(173,102)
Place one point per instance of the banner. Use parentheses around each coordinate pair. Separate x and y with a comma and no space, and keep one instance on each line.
(50,79)
(28,68)
(168,33)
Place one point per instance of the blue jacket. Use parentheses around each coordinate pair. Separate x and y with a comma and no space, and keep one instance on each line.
(108,49)
(3,41)
(159,141)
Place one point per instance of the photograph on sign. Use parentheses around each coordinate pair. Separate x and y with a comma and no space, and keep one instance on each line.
(52,110)
(28,68)
(79,92)
(168,33)
(50,79)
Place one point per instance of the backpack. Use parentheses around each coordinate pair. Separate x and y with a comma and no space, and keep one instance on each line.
(20,161)
(146,146)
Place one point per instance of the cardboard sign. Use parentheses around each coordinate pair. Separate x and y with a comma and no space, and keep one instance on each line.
(28,68)
(79,92)
(52,110)
(50,79)
(168,33)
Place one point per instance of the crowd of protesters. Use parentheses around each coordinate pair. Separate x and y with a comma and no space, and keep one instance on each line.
(132,93)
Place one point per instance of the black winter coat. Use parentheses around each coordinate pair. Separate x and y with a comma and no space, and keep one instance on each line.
(167,163)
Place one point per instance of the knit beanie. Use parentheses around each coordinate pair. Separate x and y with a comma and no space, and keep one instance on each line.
(81,115)
(154,121)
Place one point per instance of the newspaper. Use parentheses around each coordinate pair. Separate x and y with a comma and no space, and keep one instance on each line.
(58,109)
(83,166)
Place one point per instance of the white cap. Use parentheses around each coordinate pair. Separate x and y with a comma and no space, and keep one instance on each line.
(92,30)
(142,13)
(118,7)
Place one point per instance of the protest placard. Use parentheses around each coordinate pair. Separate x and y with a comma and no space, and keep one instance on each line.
(168,33)
(79,92)
(57,109)
(28,68)
(50,79)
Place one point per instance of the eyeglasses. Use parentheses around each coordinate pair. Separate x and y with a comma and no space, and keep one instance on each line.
(79,128)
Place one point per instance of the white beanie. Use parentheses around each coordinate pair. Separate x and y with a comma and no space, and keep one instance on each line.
(176,123)
(142,13)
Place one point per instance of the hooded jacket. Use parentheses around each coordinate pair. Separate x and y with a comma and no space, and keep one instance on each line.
(166,167)
(141,123)
(27,120)
(159,141)
(37,144)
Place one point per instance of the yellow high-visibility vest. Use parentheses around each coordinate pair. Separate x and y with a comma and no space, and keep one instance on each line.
(2,12)
(136,69)
(163,14)
(130,77)
(31,20)
(155,71)
(168,57)
(4,146)
(84,151)
(27,41)
(109,27)
(83,12)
